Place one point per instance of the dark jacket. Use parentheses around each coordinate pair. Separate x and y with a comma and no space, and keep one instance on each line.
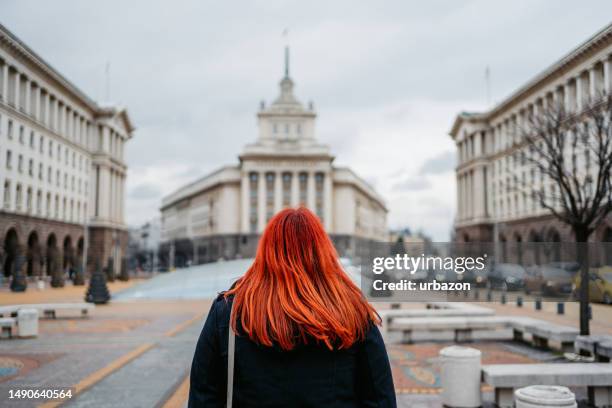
(308,376)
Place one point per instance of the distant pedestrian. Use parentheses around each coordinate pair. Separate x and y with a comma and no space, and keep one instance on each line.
(304,334)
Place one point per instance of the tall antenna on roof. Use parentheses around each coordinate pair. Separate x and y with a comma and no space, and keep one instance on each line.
(488,85)
(107,81)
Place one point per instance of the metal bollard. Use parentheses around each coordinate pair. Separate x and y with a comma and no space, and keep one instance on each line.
(489,296)
(460,377)
(544,396)
(590,313)
(476,294)
(519,301)
(503,299)
(560,308)
(538,304)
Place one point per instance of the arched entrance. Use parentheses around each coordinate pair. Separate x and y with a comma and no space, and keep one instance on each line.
(504,248)
(68,259)
(54,262)
(553,250)
(11,245)
(518,248)
(79,277)
(535,243)
(33,255)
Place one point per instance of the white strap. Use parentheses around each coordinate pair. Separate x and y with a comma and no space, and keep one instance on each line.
(231,347)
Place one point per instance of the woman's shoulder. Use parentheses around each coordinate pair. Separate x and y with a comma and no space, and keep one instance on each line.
(222,306)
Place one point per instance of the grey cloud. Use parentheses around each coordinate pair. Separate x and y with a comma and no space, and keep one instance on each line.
(413,183)
(144,192)
(443,163)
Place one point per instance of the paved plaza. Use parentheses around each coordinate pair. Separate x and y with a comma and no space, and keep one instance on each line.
(136,351)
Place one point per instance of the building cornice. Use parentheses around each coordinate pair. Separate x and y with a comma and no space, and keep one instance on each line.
(29,56)
(593,44)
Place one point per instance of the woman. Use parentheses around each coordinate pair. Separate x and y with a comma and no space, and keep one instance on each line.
(305,335)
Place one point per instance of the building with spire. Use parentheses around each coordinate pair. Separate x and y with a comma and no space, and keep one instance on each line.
(222,214)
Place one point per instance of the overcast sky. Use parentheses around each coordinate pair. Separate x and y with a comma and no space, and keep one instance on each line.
(387,79)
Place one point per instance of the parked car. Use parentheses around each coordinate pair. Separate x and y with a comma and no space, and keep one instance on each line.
(477,277)
(506,277)
(600,285)
(553,279)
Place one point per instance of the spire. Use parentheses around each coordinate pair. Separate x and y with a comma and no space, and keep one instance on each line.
(286,61)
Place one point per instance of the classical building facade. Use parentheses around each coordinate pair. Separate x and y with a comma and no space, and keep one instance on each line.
(489,151)
(222,214)
(62,169)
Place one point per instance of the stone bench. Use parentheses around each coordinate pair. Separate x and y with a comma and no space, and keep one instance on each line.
(387,316)
(48,310)
(505,378)
(591,343)
(462,326)
(7,326)
(604,350)
(543,332)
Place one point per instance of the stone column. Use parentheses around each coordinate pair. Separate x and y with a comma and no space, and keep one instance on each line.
(328,201)
(295,189)
(607,86)
(5,83)
(28,90)
(36,112)
(566,97)
(459,198)
(244,202)
(278,191)
(592,84)
(17,83)
(578,93)
(261,201)
(310,191)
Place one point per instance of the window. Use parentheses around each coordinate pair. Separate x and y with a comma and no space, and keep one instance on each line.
(10,129)
(50,148)
(9,159)
(49,175)
(65,181)
(41,145)
(39,202)
(20,163)
(31,167)
(275,128)
(7,194)
(57,178)
(56,206)
(32,139)
(40,171)
(59,153)
(18,198)
(48,205)
(286,189)
(29,200)
(303,180)
(67,156)
(21,131)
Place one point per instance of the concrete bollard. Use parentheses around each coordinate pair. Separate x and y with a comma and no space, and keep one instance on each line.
(460,377)
(27,323)
(519,301)
(544,396)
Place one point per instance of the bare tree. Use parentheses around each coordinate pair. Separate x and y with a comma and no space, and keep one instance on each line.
(569,155)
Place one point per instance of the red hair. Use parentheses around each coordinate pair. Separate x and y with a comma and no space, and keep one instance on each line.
(296,289)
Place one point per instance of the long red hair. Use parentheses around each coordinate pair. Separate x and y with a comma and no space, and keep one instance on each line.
(296,290)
